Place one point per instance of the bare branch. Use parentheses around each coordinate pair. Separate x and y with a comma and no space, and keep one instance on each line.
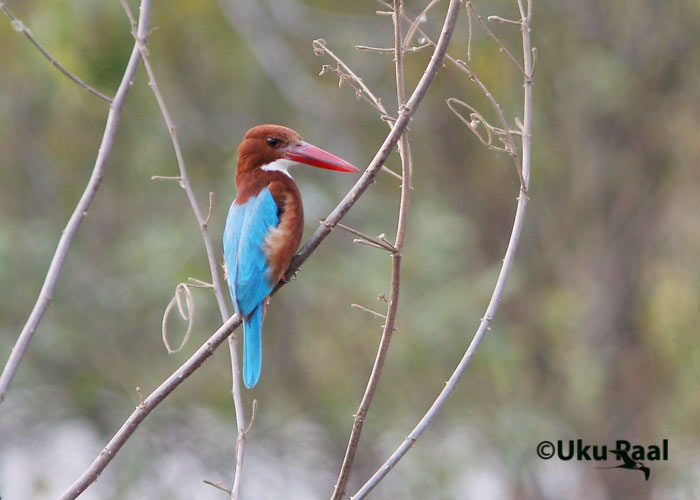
(398,127)
(414,25)
(211,208)
(199,283)
(385,50)
(254,413)
(320,47)
(476,120)
(218,486)
(463,66)
(499,19)
(392,310)
(143,410)
(390,50)
(391,172)
(497,108)
(361,241)
(381,244)
(167,178)
(79,213)
(499,288)
(370,311)
(502,47)
(19,26)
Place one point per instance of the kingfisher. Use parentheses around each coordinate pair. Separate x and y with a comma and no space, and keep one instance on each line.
(264,226)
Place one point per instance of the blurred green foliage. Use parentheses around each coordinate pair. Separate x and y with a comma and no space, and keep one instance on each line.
(597,337)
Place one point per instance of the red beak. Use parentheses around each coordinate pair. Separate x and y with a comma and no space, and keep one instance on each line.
(316,157)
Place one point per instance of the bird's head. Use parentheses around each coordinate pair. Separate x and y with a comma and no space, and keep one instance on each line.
(274,147)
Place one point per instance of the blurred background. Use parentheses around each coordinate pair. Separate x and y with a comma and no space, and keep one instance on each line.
(596,338)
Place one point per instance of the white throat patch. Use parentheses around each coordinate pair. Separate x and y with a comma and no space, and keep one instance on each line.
(280,165)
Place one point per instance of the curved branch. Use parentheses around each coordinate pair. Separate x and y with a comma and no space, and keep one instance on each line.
(499,288)
(396,257)
(19,26)
(80,211)
(146,407)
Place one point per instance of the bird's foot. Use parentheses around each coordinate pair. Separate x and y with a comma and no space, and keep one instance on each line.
(286,280)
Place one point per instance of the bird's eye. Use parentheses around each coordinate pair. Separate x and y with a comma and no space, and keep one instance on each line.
(272,141)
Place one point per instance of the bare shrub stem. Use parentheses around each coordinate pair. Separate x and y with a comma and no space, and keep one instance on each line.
(499,288)
(392,310)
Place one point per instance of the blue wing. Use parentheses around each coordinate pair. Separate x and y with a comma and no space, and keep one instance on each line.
(247,226)
(244,236)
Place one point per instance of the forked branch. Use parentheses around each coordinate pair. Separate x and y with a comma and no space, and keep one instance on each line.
(499,288)
(392,308)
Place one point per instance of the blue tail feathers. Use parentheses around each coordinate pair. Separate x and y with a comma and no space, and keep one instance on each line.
(252,347)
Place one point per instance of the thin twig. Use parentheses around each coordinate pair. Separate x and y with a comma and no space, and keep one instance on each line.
(476,119)
(391,172)
(392,309)
(397,129)
(199,283)
(361,241)
(253,414)
(390,50)
(499,19)
(386,246)
(206,350)
(499,288)
(414,25)
(218,485)
(166,178)
(381,50)
(502,47)
(211,209)
(320,47)
(79,213)
(370,311)
(19,26)
(211,256)
(463,66)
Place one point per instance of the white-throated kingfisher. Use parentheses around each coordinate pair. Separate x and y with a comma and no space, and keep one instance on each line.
(264,226)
